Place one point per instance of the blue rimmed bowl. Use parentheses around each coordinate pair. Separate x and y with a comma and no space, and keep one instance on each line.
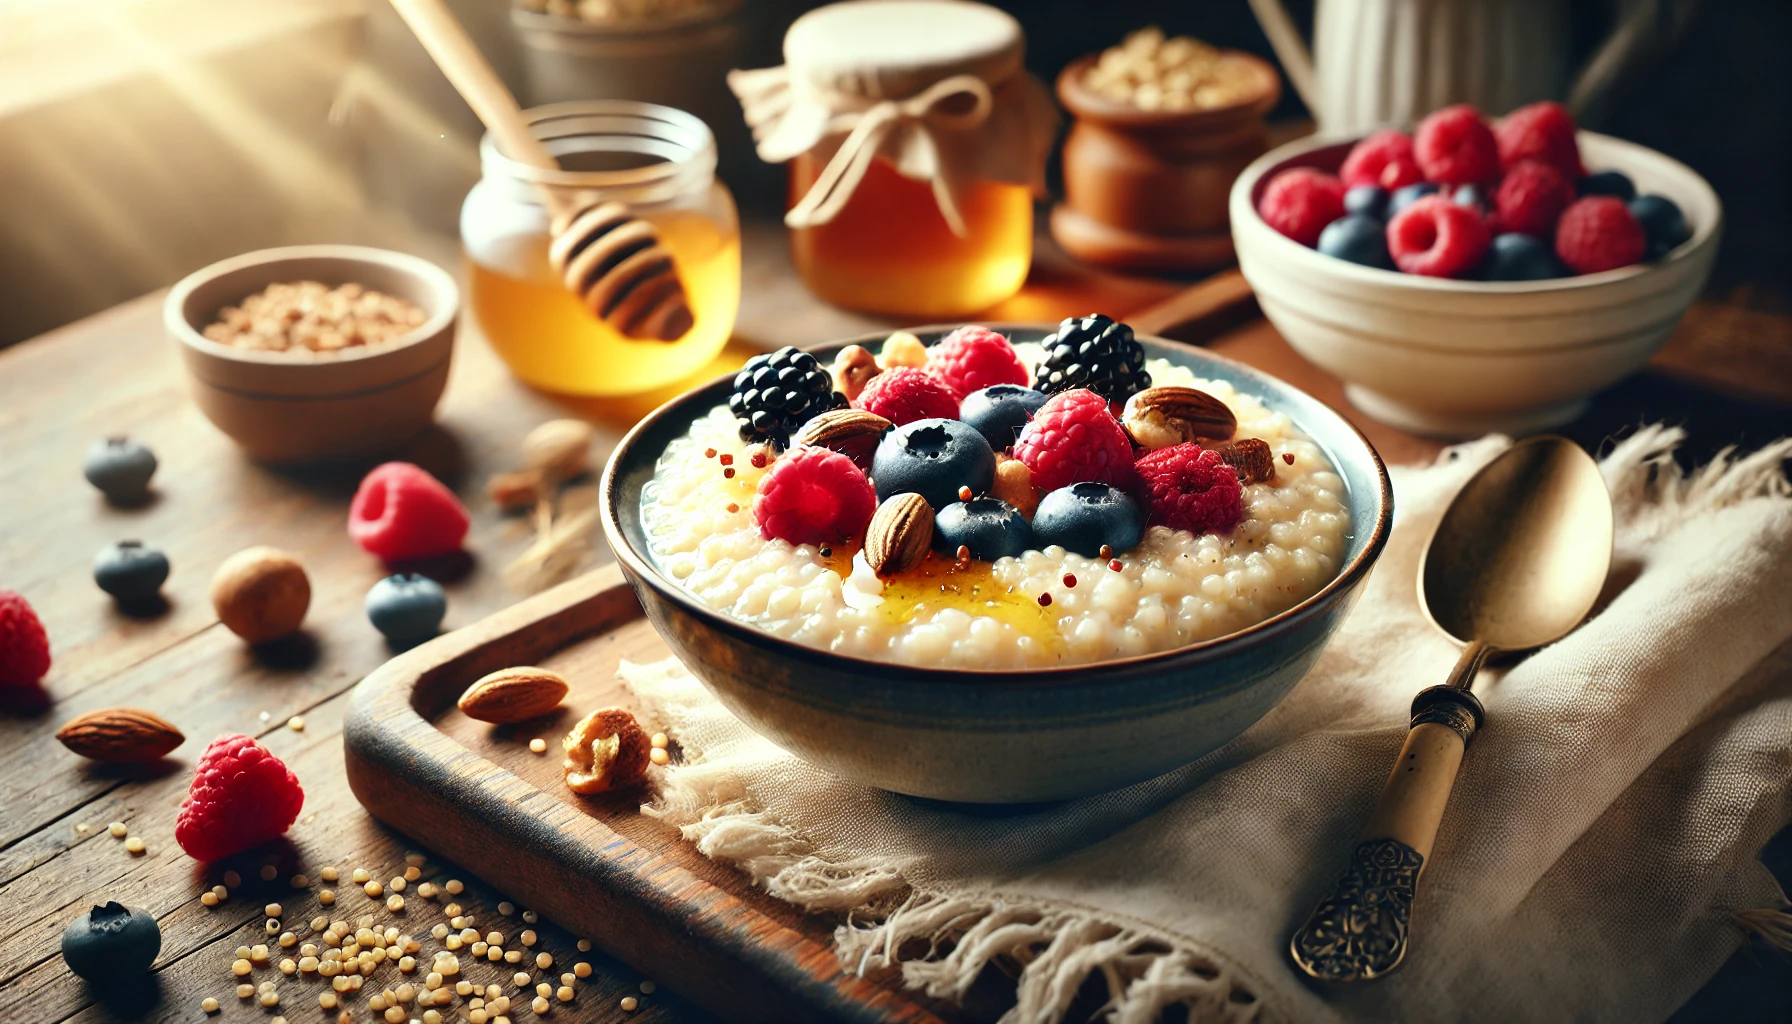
(1008,736)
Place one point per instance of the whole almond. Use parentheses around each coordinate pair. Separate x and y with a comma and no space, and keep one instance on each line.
(853,433)
(513,695)
(120,734)
(1165,416)
(900,533)
(1251,457)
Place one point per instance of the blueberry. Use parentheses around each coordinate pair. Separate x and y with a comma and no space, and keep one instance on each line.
(1368,201)
(1000,411)
(120,468)
(130,571)
(406,607)
(111,942)
(1474,197)
(1662,221)
(1515,257)
(1084,517)
(990,527)
(1358,239)
(1408,195)
(1607,183)
(933,458)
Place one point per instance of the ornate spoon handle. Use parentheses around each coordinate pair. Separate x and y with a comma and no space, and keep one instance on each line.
(1358,933)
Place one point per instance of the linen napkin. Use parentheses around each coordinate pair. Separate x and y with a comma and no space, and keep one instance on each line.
(1603,832)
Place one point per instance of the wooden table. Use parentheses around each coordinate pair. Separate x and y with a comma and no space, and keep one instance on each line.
(115,373)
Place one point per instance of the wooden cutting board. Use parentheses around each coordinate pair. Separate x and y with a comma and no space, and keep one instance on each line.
(594,865)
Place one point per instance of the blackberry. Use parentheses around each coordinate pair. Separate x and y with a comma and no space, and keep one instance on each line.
(1096,353)
(777,392)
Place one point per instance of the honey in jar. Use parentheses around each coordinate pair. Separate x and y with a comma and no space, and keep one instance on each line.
(661,164)
(916,143)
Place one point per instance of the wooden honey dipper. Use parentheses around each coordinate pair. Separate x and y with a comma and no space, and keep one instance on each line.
(612,260)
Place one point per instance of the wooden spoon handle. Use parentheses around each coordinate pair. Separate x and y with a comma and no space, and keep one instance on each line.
(472,76)
(1358,933)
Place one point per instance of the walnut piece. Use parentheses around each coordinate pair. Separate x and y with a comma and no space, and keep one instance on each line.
(606,750)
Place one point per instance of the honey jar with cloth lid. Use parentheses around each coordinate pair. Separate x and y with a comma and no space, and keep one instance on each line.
(916,142)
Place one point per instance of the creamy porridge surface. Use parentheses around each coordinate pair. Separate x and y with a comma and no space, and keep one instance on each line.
(1175,588)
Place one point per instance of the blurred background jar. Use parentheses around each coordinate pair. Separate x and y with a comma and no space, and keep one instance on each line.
(658,161)
(916,143)
(672,52)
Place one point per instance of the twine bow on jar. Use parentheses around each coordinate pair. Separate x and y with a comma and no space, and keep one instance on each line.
(956,130)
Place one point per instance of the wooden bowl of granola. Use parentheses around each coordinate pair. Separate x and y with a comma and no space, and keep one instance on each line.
(1157,141)
(316,352)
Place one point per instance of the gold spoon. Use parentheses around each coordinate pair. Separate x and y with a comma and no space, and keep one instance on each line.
(1517,561)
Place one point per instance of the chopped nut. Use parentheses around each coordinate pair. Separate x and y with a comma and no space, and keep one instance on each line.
(1014,485)
(606,750)
(309,318)
(1251,457)
(902,349)
(853,367)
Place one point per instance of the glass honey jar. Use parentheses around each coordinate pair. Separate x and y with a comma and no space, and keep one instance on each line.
(916,142)
(658,162)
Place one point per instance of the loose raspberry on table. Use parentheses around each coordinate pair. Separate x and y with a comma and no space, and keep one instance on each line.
(973,358)
(903,394)
(1191,488)
(1437,238)
(1599,233)
(1300,202)
(242,796)
(1531,198)
(1383,159)
(813,496)
(400,512)
(1541,131)
(1074,438)
(1455,147)
(24,646)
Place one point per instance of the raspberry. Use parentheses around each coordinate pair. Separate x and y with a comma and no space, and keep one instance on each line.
(1437,238)
(24,647)
(242,796)
(1531,198)
(1188,487)
(1454,147)
(973,358)
(1300,202)
(1542,131)
(903,394)
(813,496)
(1599,233)
(1074,438)
(401,512)
(1383,159)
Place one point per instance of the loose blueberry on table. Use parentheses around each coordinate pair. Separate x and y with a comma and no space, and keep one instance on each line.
(120,468)
(988,504)
(131,571)
(406,607)
(1453,199)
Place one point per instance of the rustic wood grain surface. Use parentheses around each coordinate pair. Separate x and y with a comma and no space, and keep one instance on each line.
(116,374)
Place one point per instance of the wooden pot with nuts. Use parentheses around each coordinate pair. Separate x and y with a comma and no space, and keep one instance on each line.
(1162,128)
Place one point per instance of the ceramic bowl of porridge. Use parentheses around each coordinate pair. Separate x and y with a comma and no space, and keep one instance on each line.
(997,564)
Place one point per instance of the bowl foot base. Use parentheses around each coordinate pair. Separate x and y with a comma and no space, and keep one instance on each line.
(1092,241)
(1462,425)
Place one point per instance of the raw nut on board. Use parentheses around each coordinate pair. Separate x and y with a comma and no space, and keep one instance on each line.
(512,491)
(513,695)
(559,449)
(1165,416)
(1251,457)
(853,433)
(261,594)
(606,750)
(900,534)
(852,368)
(120,734)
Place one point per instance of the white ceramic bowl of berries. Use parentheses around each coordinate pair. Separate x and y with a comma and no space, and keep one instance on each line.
(1475,277)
